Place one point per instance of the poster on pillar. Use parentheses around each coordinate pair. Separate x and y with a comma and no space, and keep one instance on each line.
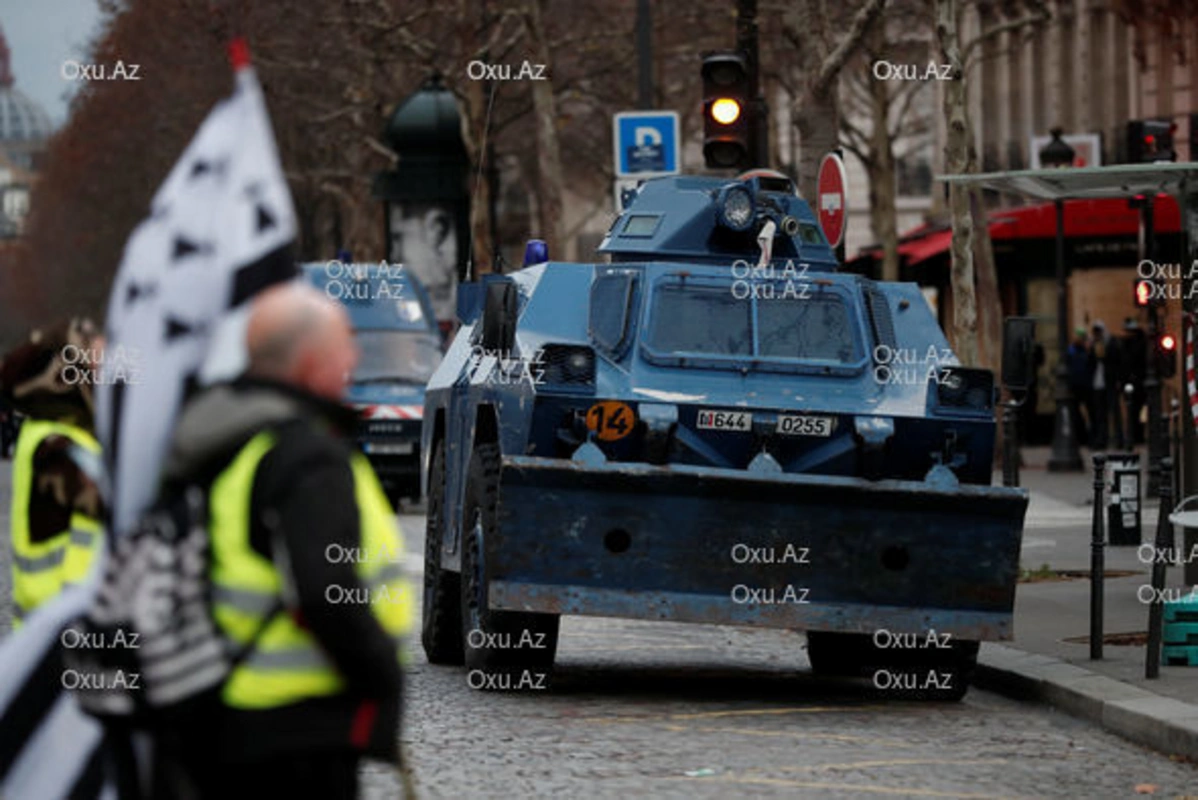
(424,239)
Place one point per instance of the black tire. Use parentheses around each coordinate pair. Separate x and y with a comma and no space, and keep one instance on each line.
(839,654)
(917,673)
(441,622)
(504,650)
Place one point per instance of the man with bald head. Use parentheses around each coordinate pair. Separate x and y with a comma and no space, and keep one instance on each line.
(305,556)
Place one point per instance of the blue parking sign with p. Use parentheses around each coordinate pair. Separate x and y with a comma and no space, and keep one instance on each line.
(646,143)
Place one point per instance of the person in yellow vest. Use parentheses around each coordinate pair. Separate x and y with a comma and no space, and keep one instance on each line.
(55,510)
(305,570)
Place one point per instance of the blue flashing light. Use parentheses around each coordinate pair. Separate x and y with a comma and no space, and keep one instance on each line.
(535,252)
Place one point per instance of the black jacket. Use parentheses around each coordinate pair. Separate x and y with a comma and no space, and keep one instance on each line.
(305,479)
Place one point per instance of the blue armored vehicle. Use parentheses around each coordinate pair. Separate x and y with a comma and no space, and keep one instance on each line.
(399,347)
(714,426)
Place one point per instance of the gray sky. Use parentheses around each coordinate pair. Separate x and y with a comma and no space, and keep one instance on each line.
(42,34)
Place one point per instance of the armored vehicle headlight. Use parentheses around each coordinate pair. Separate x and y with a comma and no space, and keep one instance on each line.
(735,204)
(569,365)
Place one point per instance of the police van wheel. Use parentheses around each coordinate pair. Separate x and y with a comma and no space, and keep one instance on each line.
(442,611)
(504,650)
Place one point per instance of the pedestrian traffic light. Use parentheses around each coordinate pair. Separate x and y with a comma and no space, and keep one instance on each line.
(1143,292)
(1150,140)
(1166,355)
(726,97)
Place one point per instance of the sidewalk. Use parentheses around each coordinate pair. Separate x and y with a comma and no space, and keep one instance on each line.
(1049,658)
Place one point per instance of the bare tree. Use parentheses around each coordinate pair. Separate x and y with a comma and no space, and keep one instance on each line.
(956,159)
(819,58)
(891,110)
(972,286)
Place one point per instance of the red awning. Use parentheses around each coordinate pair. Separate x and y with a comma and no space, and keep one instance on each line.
(1083,218)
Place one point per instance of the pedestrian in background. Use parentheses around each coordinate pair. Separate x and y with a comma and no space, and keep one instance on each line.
(1105,369)
(8,429)
(1076,361)
(1135,352)
(305,565)
(55,509)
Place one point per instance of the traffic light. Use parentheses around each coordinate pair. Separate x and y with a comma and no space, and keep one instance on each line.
(1148,292)
(1143,292)
(1150,140)
(1166,355)
(726,110)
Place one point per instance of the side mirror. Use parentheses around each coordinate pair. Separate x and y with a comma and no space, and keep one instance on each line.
(1018,353)
(500,304)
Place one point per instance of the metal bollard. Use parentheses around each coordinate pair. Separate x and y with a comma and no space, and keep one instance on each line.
(1164,541)
(1097,559)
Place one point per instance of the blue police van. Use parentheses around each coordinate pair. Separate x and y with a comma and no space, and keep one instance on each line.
(400,347)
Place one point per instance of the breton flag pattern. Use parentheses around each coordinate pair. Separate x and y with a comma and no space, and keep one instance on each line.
(219,230)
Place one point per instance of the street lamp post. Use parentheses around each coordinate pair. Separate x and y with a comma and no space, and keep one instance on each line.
(1065,456)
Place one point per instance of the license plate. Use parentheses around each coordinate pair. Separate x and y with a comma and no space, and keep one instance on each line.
(388,448)
(803,425)
(712,420)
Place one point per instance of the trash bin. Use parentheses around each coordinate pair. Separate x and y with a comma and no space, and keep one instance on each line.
(1123,507)
(1180,631)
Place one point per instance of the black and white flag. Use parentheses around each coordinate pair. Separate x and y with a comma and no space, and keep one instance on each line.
(220,229)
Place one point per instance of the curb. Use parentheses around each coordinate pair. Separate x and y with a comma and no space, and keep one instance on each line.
(1162,723)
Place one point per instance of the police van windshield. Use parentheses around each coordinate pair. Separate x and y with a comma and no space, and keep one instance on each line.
(711,320)
(401,356)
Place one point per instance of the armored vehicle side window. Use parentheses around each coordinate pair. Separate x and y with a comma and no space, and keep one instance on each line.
(816,328)
(611,300)
(700,319)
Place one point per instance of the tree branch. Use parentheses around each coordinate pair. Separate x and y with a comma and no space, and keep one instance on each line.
(987,35)
(836,59)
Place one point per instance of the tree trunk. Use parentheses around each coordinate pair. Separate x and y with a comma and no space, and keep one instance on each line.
(549,165)
(882,179)
(818,121)
(989,300)
(956,155)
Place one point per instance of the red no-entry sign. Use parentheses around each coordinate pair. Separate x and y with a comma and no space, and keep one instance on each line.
(831,198)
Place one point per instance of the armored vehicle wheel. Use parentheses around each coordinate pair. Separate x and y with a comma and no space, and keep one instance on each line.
(839,654)
(925,671)
(441,623)
(503,649)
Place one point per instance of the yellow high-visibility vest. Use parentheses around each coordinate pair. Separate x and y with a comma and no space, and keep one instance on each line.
(41,569)
(286,664)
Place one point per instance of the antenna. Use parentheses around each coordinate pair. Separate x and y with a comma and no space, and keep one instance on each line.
(482,158)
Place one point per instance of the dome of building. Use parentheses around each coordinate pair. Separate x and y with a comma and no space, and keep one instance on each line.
(21,119)
(24,125)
